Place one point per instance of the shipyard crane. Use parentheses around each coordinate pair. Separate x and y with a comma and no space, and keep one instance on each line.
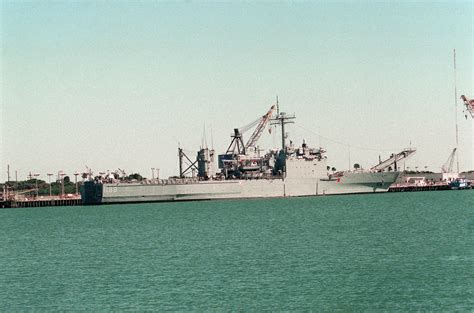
(237,145)
(394,159)
(448,166)
(469,103)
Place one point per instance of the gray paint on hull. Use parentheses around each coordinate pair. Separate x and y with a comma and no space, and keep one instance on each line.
(208,190)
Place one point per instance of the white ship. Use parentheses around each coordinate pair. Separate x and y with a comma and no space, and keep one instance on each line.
(243,173)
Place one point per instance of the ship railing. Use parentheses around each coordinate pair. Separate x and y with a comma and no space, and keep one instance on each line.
(171,181)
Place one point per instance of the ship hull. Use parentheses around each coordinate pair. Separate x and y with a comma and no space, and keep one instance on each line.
(350,183)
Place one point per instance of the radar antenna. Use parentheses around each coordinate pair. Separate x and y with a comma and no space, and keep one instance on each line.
(282,119)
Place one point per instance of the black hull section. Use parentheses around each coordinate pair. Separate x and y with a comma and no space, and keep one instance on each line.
(91,193)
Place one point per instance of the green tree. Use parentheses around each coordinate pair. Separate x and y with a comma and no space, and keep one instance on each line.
(135,176)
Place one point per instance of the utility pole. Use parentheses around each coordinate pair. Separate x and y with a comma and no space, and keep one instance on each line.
(62,183)
(153,173)
(49,177)
(157,173)
(36,183)
(75,181)
(8,172)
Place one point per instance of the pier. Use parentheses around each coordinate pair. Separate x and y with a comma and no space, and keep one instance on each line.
(410,187)
(41,202)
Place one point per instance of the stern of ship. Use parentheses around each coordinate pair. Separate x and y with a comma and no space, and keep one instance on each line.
(91,193)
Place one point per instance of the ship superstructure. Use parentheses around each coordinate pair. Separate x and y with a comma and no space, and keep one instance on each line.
(245,172)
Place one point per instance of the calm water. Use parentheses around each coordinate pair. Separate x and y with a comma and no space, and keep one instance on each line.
(410,251)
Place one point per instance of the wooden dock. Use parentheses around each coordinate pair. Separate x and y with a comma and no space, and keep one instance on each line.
(41,202)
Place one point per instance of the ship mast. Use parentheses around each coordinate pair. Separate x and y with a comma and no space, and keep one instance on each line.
(456,111)
(282,119)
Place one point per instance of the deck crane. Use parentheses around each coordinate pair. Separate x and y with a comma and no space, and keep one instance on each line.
(257,133)
(448,166)
(469,103)
(237,145)
(393,160)
(236,159)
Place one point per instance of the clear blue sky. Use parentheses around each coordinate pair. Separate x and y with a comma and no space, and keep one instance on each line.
(119,84)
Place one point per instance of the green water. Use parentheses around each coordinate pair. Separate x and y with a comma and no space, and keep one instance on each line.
(403,251)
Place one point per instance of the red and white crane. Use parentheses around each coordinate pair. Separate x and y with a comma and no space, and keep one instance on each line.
(237,146)
(469,103)
(257,133)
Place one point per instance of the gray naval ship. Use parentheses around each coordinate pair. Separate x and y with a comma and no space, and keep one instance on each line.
(244,172)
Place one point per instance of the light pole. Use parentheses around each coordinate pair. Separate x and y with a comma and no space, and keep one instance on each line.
(36,183)
(49,178)
(75,181)
(62,174)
